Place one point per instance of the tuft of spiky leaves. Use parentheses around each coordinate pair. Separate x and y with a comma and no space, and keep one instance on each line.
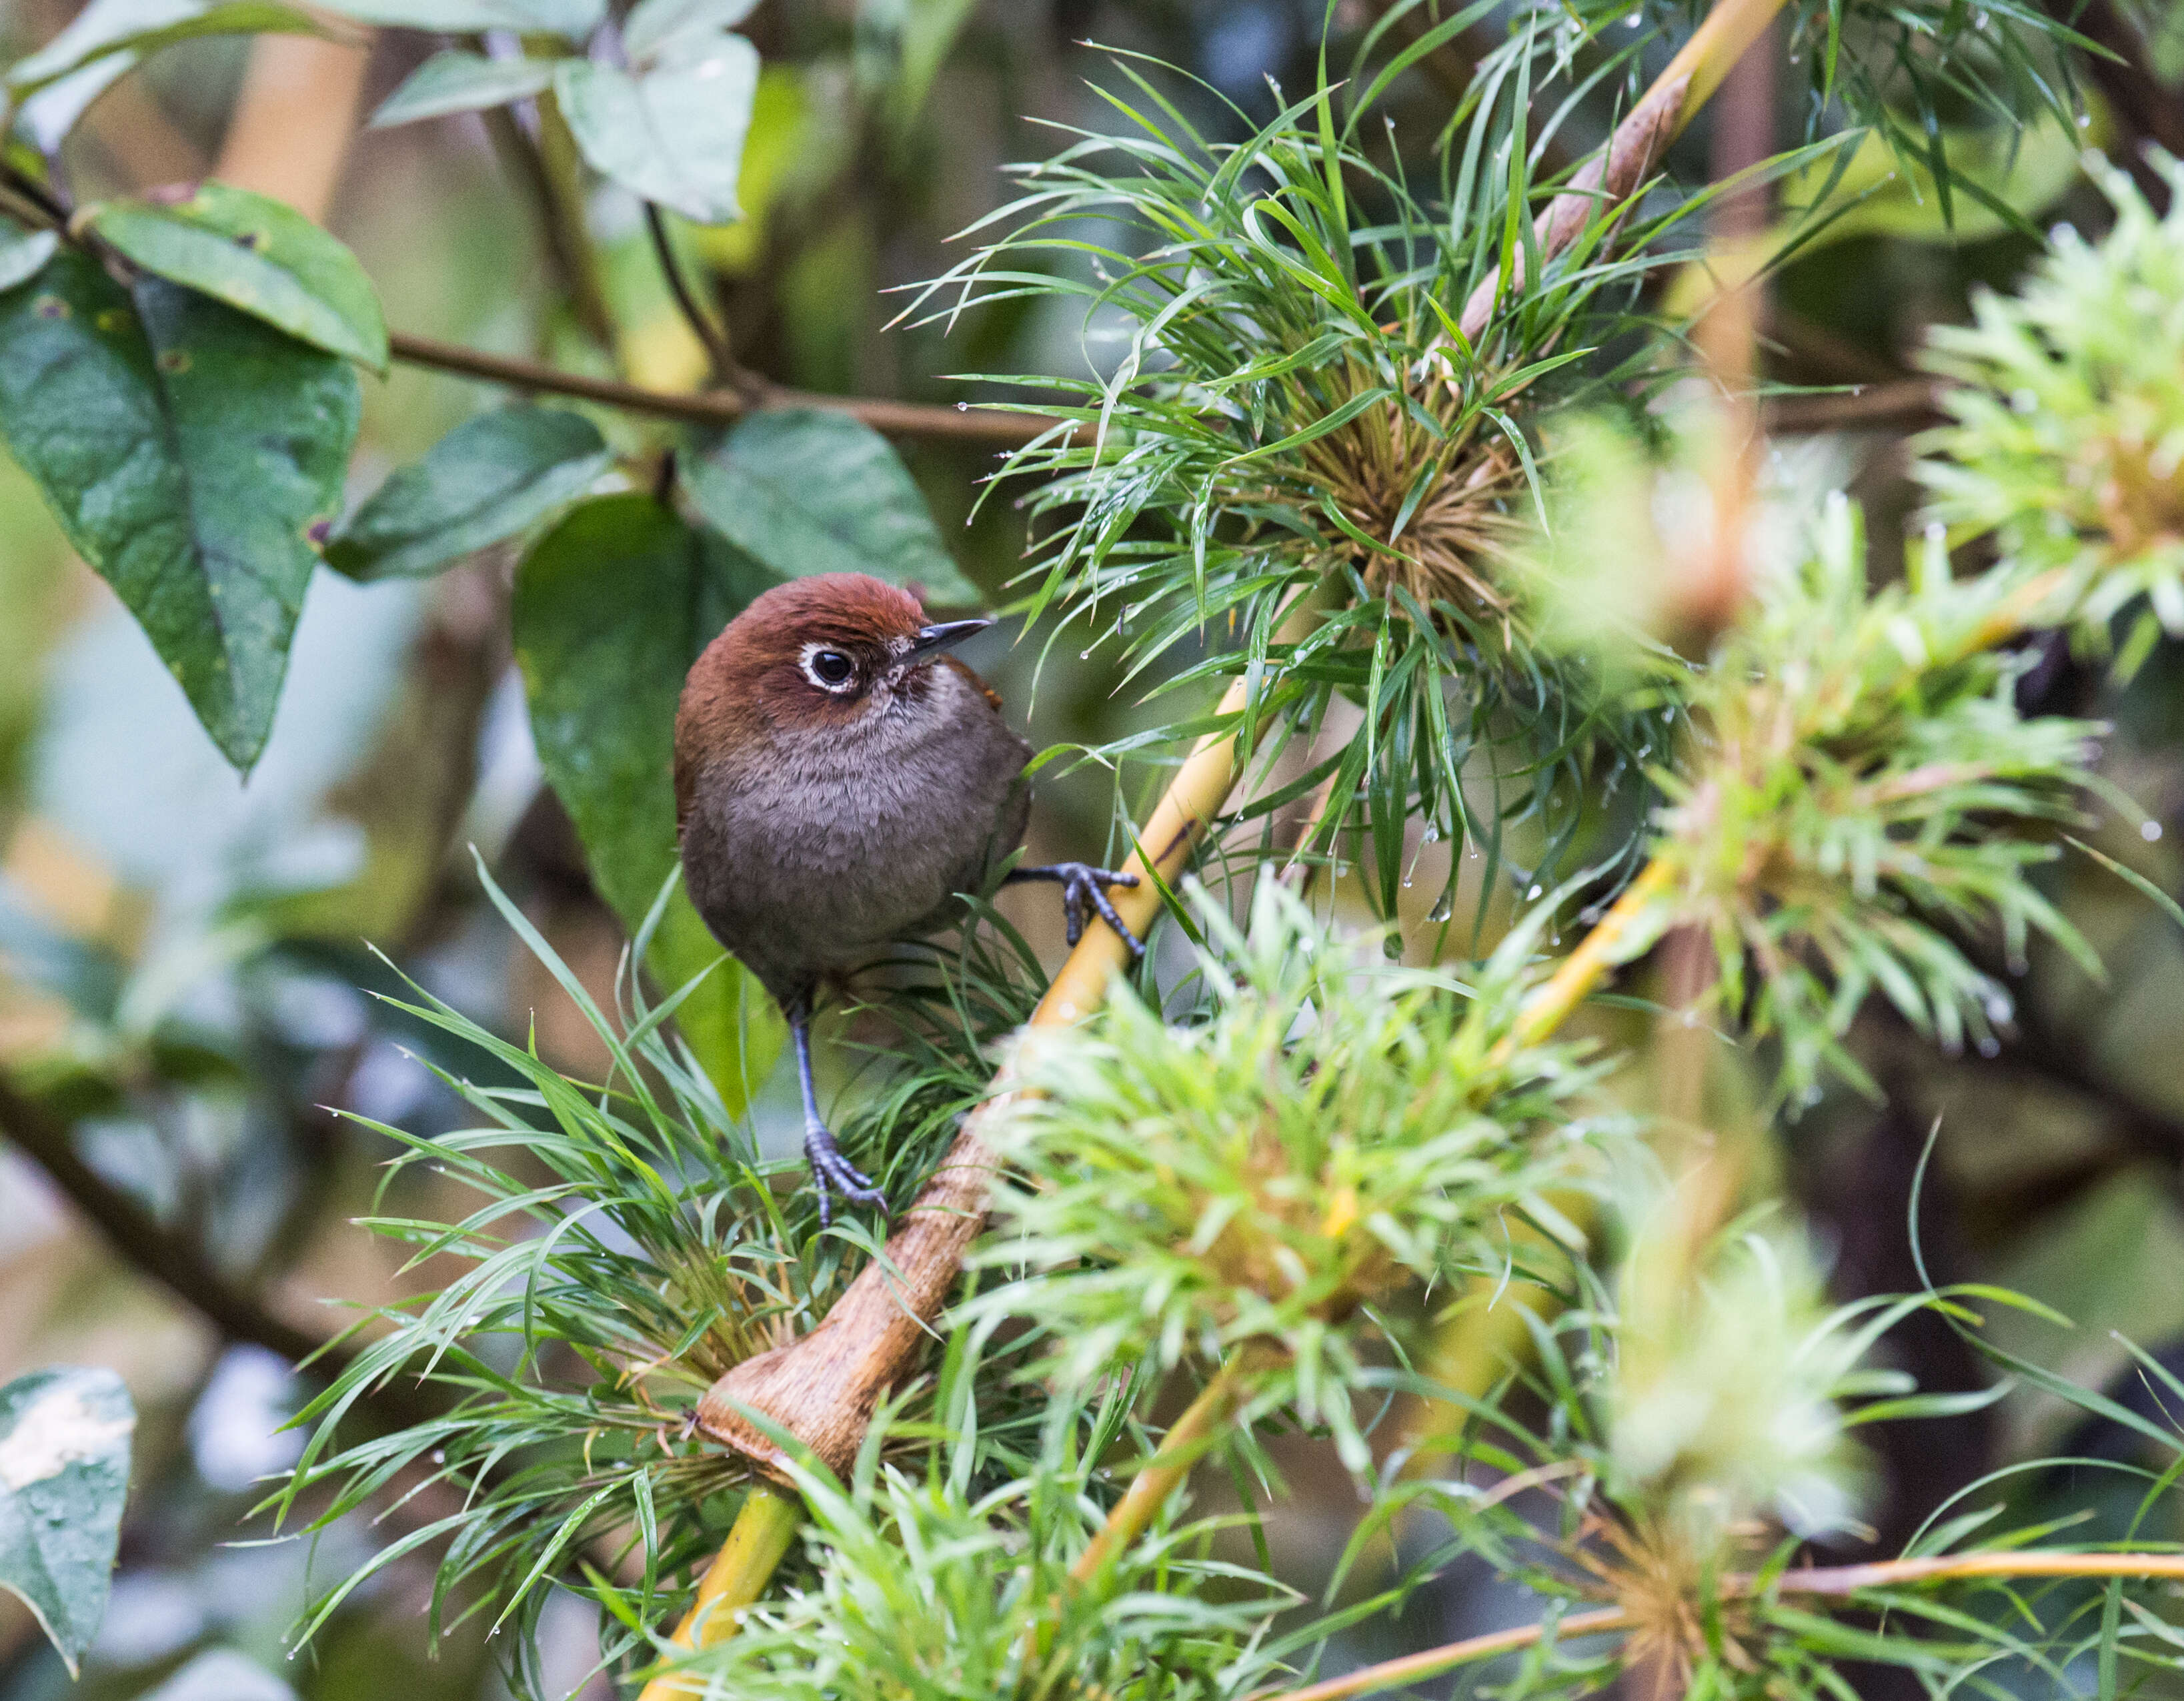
(626,1247)
(929,1586)
(1861,789)
(2066,404)
(1273,1173)
(1296,414)
(1684,1434)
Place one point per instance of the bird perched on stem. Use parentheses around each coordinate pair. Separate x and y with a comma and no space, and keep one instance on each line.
(839,779)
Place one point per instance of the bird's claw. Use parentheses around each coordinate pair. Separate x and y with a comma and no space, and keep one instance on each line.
(832,1173)
(1082,885)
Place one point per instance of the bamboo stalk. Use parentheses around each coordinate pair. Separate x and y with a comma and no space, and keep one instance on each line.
(1180,1449)
(756,1545)
(1831,1581)
(1433,1661)
(1615,173)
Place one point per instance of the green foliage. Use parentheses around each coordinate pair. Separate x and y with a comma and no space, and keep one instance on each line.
(572,21)
(626,1249)
(611,608)
(64,1476)
(671,128)
(1295,414)
(194,457)
(258,256)
(755,487)
(489,479)
(453,81)
(1861,785)
(931,1586)
(109,38)
(2066,403)
(1278,1175)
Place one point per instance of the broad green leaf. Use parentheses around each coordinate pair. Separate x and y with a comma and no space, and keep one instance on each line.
(809,490)
(23,253)
(657,27)
(485,480)
(570,19)
(63,1476)
(457,82)
(139,27)
(673,133)
(257,255)
(611,608)
(194,457)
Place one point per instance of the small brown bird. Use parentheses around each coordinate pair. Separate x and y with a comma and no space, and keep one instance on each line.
(839,781)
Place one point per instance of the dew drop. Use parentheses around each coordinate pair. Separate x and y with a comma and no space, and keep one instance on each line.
(2085,120)
(1690,1018)
(2017,964)
(1998,1007)
(1432,834)
(1534,893)
(2149,830)
(1407,882)
(1083,655)
(1989,1046)
(1444,906)
(1635,19)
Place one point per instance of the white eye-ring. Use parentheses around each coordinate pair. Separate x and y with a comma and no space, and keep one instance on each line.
(829,669)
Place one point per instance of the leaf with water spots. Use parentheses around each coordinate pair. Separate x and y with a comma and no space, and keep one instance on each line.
(257,255)
(64,1476)
(194,457)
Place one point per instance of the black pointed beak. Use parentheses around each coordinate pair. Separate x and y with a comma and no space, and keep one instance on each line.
(933,640)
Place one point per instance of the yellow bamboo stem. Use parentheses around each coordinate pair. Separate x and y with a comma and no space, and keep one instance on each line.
(1633,923)
(1831,1581)
(756,1544)
(1164,1472)
(1431,1663)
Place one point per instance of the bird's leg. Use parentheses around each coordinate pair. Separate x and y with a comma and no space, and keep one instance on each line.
(1083,884)
(831,1172)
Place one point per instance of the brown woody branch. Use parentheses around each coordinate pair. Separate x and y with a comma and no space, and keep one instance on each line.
(961,424)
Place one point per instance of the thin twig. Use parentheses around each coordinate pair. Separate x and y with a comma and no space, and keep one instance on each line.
(711,337)
(1832,1581)
(962,423)
(1899,404)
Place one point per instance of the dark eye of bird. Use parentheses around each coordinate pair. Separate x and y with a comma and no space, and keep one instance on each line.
(832,667)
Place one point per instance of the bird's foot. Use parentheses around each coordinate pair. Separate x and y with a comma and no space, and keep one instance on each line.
(832,1173)
(1083,887)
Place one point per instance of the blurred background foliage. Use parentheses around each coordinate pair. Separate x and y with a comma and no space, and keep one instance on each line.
(183,960)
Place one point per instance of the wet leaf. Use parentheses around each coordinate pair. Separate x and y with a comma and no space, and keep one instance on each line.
(485,480)
(63,1476)
(808,490)
(256,254)
(194,457)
